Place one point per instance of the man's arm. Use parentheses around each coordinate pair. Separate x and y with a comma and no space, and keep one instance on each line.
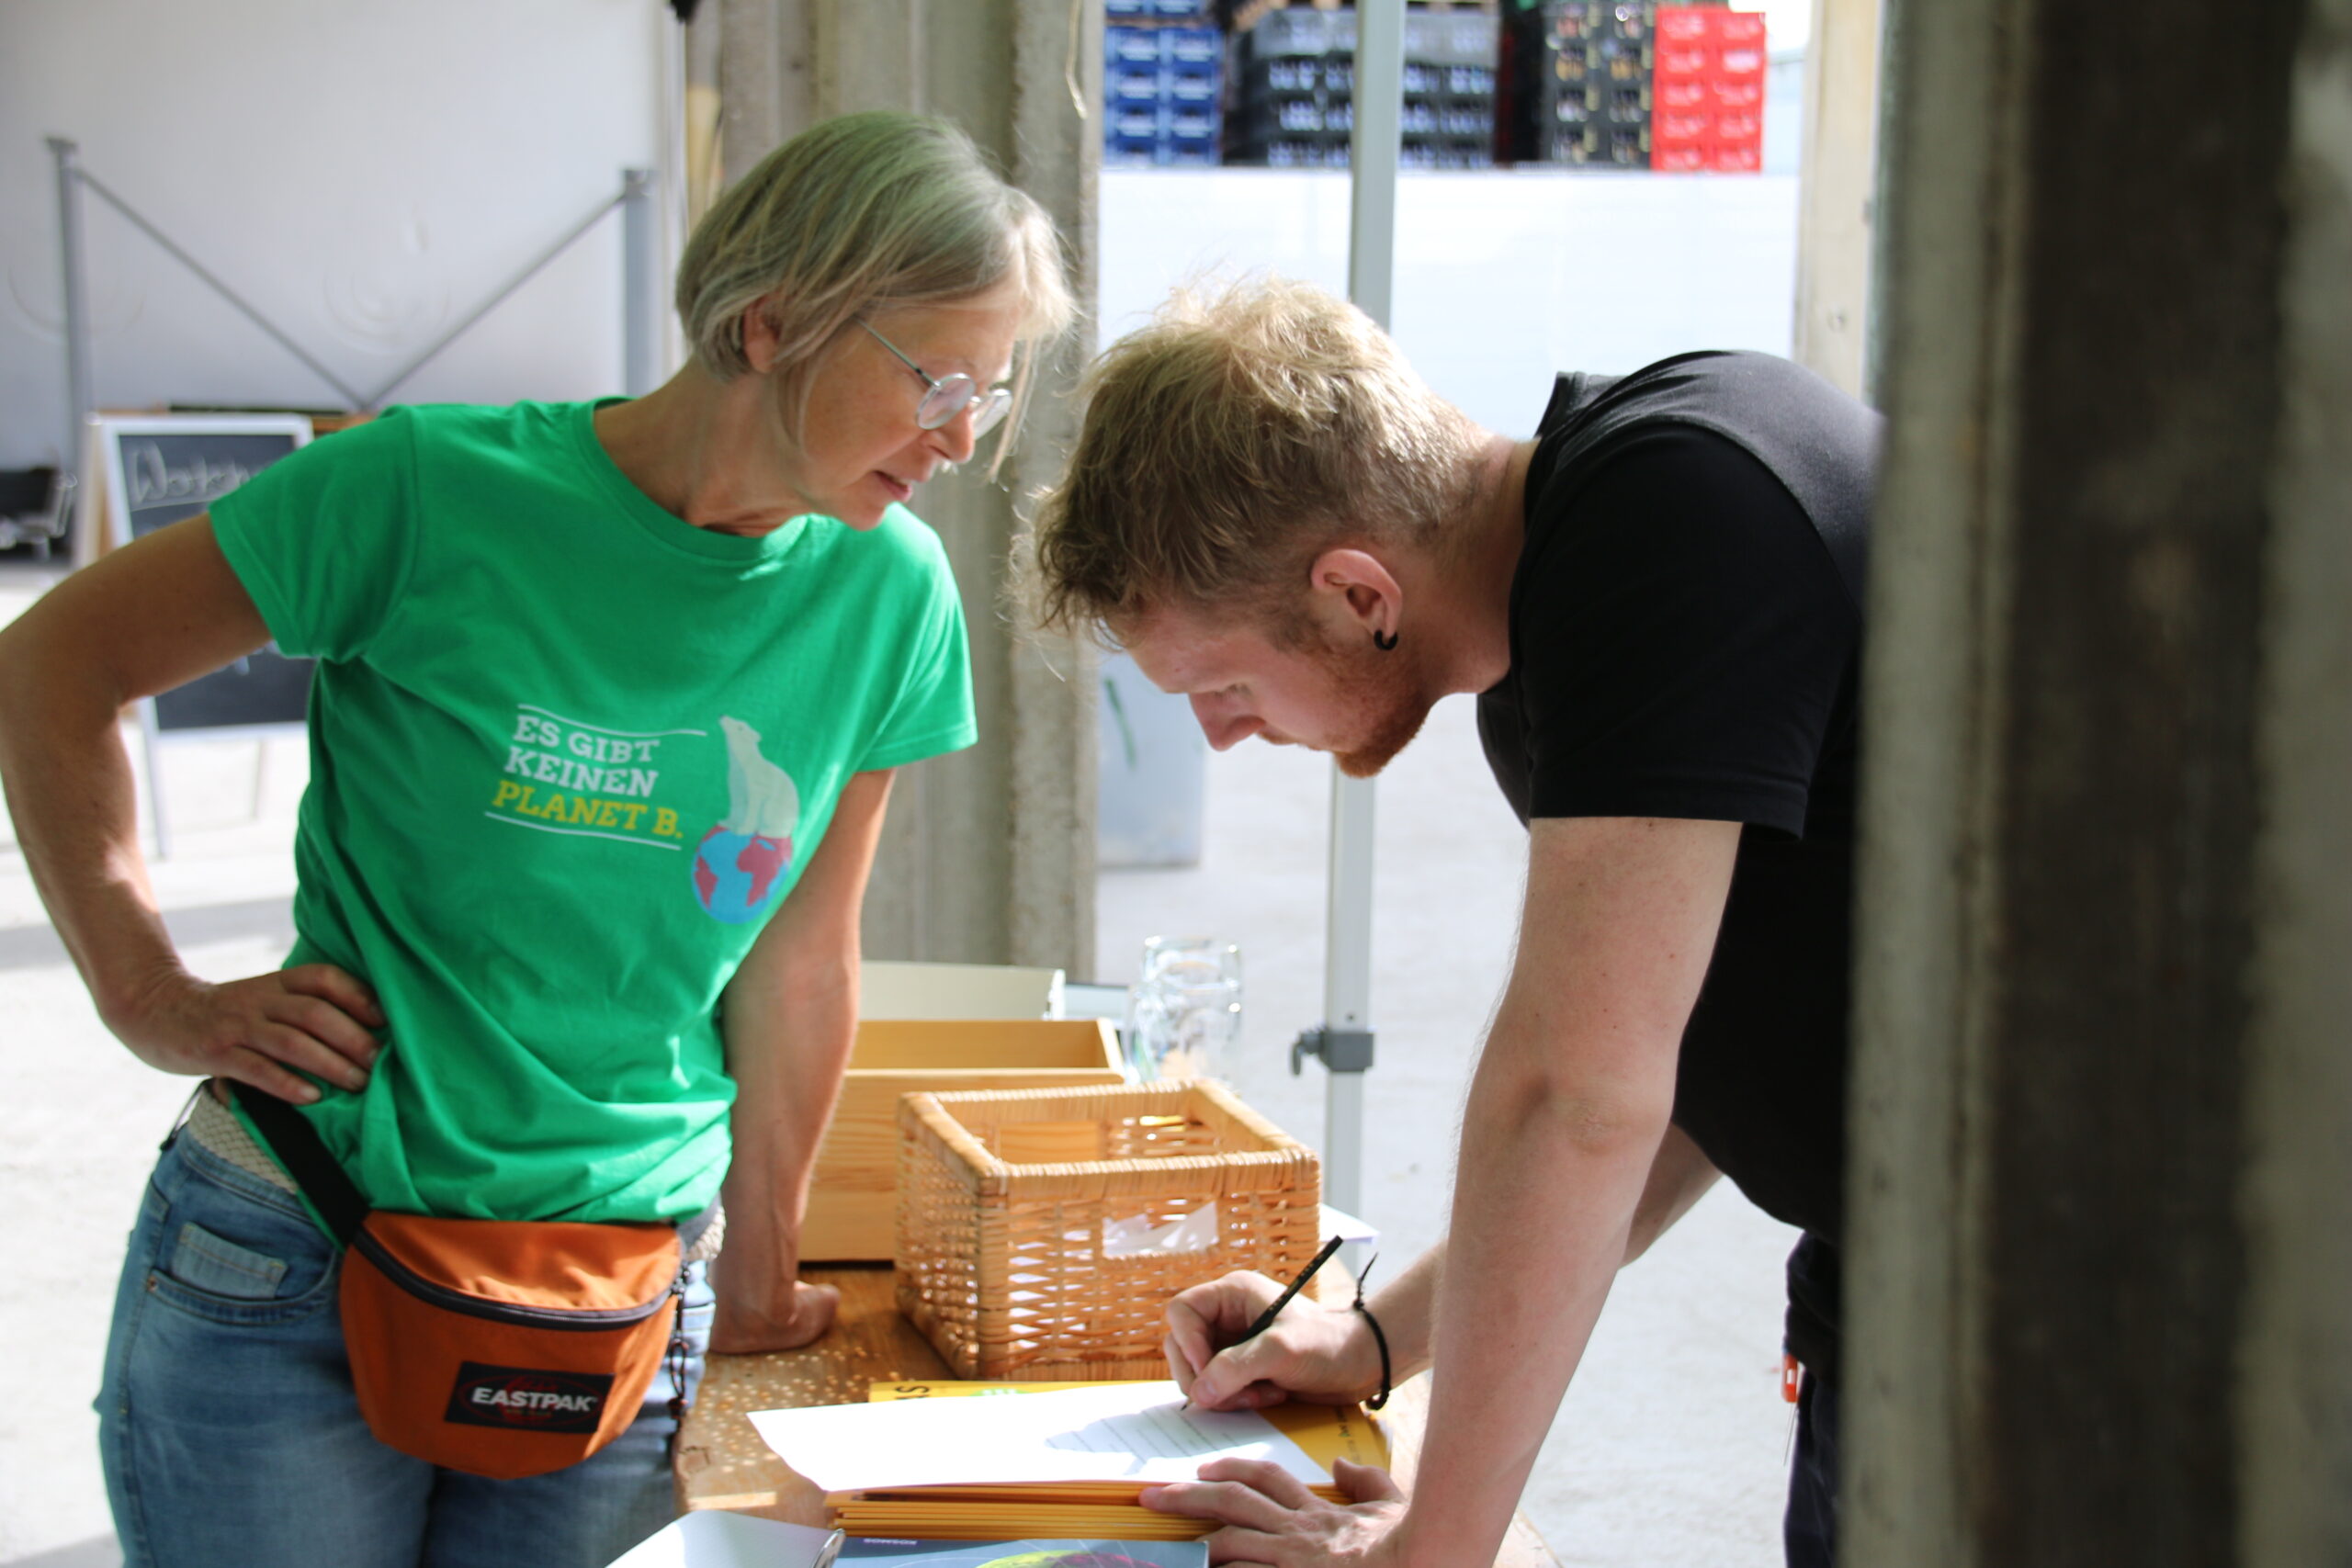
(1326,1356)
(790,1019)
(1566,1115)
(1680,1177)
(1568,1110)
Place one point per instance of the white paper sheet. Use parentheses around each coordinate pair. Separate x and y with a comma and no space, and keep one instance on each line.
(1118,1432)
(727,1540)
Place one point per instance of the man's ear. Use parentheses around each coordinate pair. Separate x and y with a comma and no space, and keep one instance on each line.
(1355,589)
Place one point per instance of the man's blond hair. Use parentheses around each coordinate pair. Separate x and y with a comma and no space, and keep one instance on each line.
(1226,445)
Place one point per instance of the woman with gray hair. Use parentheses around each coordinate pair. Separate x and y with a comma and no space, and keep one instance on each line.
(608,699)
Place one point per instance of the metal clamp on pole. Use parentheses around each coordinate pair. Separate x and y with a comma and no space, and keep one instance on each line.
(1340,1050)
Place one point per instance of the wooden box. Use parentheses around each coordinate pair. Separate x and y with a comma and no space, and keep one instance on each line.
(1022,1219)
(889,988)
(849,1199)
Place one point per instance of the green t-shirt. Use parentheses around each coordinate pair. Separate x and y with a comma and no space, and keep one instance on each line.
(567,754)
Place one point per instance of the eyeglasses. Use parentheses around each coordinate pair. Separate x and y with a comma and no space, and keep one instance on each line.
(948,396)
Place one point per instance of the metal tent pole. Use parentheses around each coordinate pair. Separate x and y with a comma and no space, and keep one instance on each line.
(1344,1041)
(640,317)
(79,396)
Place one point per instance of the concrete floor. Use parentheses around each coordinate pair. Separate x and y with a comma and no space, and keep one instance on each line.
(1670,1448)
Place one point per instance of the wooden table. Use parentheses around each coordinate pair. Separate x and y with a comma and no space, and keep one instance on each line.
(722,1463)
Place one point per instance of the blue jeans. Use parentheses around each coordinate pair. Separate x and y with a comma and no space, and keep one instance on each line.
(232,1439)
(1809,1529)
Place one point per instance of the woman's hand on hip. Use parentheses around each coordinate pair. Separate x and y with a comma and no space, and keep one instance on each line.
(315,1018)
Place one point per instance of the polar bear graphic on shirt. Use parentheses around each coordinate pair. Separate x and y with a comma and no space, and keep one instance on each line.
(740,867)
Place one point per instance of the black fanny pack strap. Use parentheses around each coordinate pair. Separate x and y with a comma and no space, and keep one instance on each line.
(299,1148)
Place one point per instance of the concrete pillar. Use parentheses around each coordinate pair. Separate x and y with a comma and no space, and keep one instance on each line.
(989,854)
(1836,190)
(2101,1236)
(2293,1403)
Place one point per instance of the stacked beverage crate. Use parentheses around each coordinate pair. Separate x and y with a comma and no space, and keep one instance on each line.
(1294,90)
(1450,89)
(1707,90)
(1294,99)
(1162,83)
(1577,83)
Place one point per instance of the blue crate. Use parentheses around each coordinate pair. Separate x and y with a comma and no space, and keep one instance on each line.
(1132,48)
(1189,125)
(1118,10)
(1192,46)
(1189,158)
(1124,86)
(1189,85)
(1179,10)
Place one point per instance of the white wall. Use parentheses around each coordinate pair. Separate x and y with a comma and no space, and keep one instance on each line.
(365,173)
(1502,278)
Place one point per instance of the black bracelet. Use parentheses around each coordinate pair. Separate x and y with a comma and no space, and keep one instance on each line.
(1377,1337)
(1382,1340)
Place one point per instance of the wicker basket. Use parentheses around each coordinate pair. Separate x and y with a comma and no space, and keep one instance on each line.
(1006,1198)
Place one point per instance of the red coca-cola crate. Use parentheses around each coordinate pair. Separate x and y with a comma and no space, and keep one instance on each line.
(1681,158)
(1685,93)
(1683,59)
(1740,60)
(1686,24)
(1682,127)
(1739,27)
(1736,157)
(1735,92)
(1737,124)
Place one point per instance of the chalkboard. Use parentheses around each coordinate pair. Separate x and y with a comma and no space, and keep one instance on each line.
(162,469)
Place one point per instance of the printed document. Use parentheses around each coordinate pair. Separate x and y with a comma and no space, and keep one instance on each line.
(1140,1433)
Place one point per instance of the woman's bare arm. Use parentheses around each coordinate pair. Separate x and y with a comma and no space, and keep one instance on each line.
(791,1017)
(143,620)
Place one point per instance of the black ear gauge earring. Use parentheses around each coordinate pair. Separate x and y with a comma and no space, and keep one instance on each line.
(1383,643)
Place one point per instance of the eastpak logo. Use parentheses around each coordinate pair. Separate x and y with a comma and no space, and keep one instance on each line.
(527,1399)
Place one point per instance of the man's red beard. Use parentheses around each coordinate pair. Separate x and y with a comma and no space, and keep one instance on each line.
(1381,705)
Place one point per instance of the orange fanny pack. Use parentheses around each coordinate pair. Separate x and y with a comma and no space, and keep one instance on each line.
(501,1347)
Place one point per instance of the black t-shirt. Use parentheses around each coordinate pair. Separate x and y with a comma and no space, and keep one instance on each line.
(1685,634)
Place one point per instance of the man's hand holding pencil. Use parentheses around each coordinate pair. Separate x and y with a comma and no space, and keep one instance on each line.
(1310,1352)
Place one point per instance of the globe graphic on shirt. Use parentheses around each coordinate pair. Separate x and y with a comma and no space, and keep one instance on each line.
(743,864)
(738,875)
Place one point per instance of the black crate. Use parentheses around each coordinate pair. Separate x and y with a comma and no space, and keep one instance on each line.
(1446,153)
(1294,74)
(1574,72)
(1468,116)
(1276,116)
(1315,151)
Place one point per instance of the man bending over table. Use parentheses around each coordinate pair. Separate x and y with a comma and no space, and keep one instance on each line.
(1658,602)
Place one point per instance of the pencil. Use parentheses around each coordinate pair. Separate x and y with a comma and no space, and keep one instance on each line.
(1266,1318)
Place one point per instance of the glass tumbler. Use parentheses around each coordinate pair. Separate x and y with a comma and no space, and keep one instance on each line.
(1186,1012)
